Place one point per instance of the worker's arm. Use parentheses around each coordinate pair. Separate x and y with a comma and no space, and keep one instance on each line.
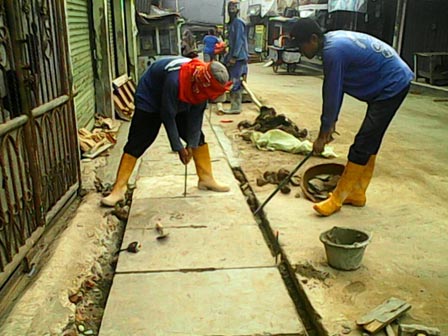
(168,113)
(332,93)
(194,124)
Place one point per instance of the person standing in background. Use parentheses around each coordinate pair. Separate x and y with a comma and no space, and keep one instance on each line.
(210,40)
(237,57)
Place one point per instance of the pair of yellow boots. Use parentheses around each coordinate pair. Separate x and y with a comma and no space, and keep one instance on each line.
(351,188)
(201,157)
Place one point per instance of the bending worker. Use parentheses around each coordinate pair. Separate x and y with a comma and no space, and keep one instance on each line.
(237,57)
(172,92)
(369,70)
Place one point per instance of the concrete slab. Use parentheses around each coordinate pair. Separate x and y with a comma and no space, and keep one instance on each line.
(189,212)
(230,302)
(195,248)
(173,186)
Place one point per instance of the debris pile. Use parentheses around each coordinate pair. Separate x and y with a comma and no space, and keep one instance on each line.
(268,119)
(387,317)
(321,185)
(276,178)
(102,137)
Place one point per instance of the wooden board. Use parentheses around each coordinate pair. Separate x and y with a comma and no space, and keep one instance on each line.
(384,314)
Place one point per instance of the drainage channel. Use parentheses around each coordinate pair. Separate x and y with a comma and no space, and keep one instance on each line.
(310,318)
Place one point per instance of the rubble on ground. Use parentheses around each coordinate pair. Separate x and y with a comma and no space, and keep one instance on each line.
(101,138)
(276,177)
(268,119)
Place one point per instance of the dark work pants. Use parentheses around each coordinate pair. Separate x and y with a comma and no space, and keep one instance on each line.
(145,128)
(370,135)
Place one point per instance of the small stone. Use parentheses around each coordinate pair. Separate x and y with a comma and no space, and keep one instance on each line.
(298,195)
(81,328)
(285,189)
(89,332)
(75,298)
(346,330)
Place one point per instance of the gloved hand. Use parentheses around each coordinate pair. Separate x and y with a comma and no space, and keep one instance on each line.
(185,155)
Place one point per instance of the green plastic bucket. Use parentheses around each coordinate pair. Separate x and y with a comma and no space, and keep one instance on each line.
(344,247)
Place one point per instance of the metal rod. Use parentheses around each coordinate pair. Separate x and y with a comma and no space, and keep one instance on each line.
(185,182)
(283,183)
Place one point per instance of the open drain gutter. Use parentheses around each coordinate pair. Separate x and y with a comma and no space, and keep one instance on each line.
(310,318)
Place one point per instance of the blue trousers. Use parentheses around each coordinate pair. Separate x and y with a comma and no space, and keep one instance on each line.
(236,72)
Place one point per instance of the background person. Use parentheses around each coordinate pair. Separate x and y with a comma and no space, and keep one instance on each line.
(237,57)
(210,40)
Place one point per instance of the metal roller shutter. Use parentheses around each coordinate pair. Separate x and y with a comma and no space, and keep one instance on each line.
(81,59)
(113,55)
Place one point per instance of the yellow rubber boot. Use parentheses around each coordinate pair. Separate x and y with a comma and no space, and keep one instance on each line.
(346,183)
(125,170)
(357,196)
(201,157)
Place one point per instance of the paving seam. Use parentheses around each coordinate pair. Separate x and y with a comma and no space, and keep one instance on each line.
(198,270)
(304,308)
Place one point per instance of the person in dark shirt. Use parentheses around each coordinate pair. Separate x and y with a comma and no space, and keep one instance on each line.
(173,92)
(210,40)
(369,70)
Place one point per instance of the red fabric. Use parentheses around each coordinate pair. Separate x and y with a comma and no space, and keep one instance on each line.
(197,84)
(220,47)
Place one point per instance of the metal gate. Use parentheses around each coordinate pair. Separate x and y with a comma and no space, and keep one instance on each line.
(39,160)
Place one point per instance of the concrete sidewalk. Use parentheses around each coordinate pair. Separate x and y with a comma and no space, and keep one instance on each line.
(214,275)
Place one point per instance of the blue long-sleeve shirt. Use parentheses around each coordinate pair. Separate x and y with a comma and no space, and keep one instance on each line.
(210,43)
(361,66)
(157,92)
(238,40)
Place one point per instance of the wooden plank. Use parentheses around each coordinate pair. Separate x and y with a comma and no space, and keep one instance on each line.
(120,81)
(383,314)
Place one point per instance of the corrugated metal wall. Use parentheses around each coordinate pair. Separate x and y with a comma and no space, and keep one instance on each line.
(426,27)
(81,59)
(110,24)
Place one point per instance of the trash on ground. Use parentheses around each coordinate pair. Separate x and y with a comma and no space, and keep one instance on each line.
(161,233)
(268,119)
(280,140)
(95,142)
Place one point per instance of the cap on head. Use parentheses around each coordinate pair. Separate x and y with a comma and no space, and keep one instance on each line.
(303,29)
(219,72)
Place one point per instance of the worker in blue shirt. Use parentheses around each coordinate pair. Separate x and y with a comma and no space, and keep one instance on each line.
(369,70)
(237,57)
(210,40)
(173,92)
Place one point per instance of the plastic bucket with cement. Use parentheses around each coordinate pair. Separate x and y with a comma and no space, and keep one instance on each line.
(344,247)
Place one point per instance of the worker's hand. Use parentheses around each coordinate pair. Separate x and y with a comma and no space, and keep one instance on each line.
(323,139)
(319,145)
(185,155)
(232,61)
